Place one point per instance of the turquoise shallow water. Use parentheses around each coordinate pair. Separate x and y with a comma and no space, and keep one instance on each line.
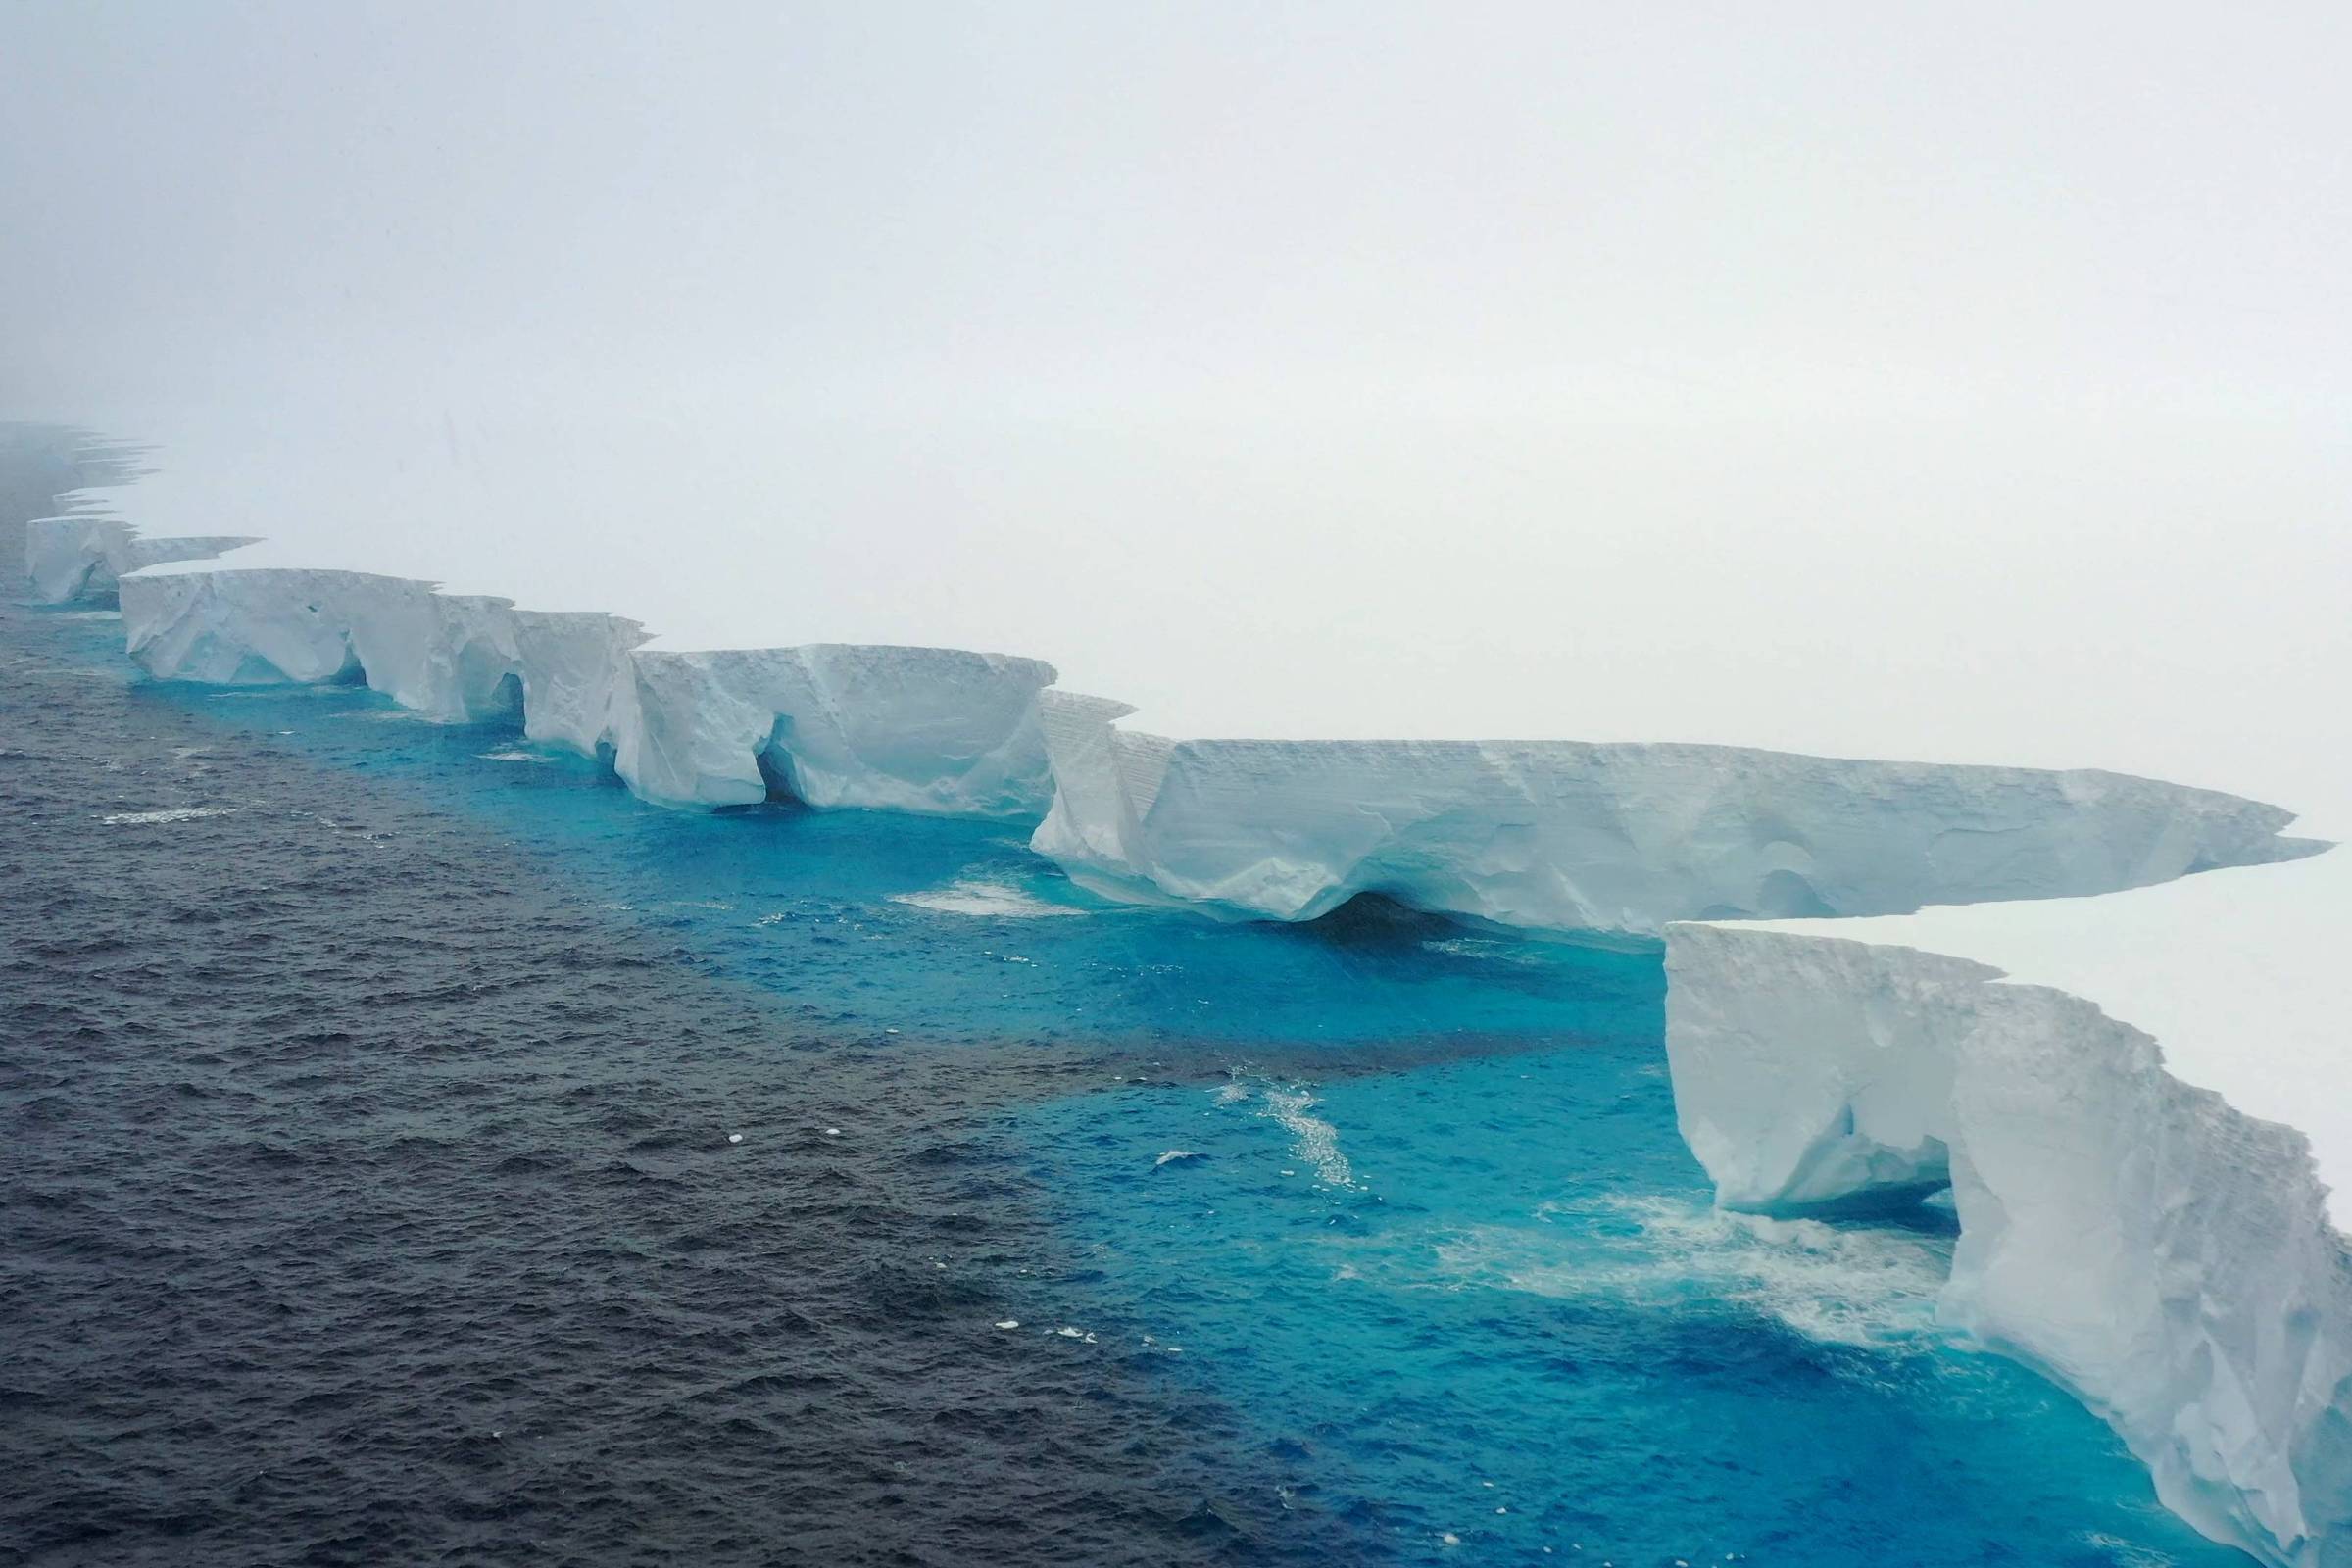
(1403,1199)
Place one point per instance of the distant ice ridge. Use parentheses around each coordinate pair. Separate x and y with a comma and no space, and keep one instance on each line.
(72,558)
(2166,1255)
(1540,834)
(916,729)
(1566,834)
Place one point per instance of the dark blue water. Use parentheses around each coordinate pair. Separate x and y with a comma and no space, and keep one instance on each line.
(366,1195)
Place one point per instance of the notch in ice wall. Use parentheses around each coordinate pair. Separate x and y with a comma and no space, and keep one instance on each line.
(2161,1253)
(1575,836)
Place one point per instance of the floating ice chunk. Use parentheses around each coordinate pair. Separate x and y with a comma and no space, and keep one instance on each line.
(1009,1322)
(1172,1155)
(832,1132)
(734,1137)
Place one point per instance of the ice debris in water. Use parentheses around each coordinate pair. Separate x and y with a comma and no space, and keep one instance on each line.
(734,1137)
(1172,1156)
(832,1132)
(1009,1322)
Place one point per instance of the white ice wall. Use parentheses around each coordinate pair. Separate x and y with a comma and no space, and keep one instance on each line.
(1566,834)
(2164,1254)
(917,729)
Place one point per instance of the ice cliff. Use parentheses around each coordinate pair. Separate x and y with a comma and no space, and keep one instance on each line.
(2155,1249)
(1546,834)
(1565,835)
(919,729)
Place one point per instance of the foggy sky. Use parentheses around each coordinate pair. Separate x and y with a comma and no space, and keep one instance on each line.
(1943,381)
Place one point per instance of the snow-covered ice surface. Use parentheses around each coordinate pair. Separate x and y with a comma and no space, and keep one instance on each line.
(2141,1105)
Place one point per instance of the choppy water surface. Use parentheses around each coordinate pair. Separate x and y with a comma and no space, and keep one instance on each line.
(367,1194)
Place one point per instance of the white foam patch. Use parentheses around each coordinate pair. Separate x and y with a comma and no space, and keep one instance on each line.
(1487,949)
(1871,1287)
(996,901)
(514,754)
(2126,1554)
(181,813)
(1315,1141)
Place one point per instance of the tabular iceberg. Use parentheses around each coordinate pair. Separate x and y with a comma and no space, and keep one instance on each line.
(2164,1254)
(1567,835)
(2168,1256)
(919,729)
(1559,835)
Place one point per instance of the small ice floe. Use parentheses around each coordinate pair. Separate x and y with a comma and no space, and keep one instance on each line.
(1169,1156)
(1450,1538)
(1069,1333)
(734,1137)
(1009,1322)
(832,1132)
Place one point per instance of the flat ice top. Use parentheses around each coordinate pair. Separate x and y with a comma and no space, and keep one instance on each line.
(2141,594)
(2239,975)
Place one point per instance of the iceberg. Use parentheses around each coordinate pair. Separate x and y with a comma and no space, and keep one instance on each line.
(2138,1105)
(917,729)
(1555,835)
(1619,838)
(2159,1242)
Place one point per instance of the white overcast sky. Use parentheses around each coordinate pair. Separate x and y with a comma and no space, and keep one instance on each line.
(1962,382)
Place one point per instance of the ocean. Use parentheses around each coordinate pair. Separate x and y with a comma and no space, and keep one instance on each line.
(414,1149)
